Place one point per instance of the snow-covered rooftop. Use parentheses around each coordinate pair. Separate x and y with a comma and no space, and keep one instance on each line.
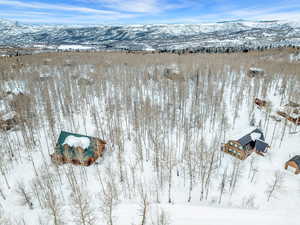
(72,141)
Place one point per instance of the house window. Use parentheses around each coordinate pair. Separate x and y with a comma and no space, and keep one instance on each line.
(231,150)
(234,152)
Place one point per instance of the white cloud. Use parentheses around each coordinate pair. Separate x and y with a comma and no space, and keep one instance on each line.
(289,16)
(277,12)
(50,13)
(27,17)
(132,5)
(151,11)
(287,12)
(38,5)
(143,6)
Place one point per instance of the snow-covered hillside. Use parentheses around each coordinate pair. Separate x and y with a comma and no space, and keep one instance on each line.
(143,37)
(163,163)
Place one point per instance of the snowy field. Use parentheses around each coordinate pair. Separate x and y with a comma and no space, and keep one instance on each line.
(197,214)
(163,163)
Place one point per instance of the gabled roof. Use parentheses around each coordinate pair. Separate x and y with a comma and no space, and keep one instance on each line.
(259,143)
(296,159)
(261,146)
(247,138)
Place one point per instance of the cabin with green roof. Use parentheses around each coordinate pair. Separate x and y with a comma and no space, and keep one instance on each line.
(77,149)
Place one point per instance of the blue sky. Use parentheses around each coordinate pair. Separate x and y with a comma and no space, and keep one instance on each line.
(146,11)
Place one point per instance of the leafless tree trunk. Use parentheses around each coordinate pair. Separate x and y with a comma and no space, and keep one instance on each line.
(223,185)
(108,202)
(161,218)
(25,196)
(276,185)
(144,206)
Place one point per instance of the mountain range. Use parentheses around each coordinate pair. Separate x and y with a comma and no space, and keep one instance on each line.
(152,37)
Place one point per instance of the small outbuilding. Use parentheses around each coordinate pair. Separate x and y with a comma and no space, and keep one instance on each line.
(77,149)
(289,111)
(242,148)
(255,72)
(260,103)
(172,72)
(293,119)
(293,164)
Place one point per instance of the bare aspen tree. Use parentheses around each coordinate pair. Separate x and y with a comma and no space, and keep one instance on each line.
(3,173)
(211,165)
(2,194)
(283,131)
(235,175)
(83,212)
(249,202)
(252,170)
(276,185)
(144,206)
(203,166)
(54,205)
(161,218)
(223,185)
(108,203)
(171,164)
(190,160)
(24,194)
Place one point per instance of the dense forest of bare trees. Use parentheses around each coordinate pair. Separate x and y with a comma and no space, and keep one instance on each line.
(163,133)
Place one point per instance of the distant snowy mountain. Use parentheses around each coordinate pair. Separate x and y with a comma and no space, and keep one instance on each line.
(160,36)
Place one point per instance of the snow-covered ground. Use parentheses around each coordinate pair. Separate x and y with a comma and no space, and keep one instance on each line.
(151,152)
(197,214)
(295,57)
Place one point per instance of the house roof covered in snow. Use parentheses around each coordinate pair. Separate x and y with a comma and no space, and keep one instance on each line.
(252,136)
(296,159)
(256,139)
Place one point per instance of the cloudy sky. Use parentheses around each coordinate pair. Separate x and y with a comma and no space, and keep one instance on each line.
(146,11)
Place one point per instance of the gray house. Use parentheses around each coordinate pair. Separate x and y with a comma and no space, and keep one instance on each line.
(243,147)
(255,140)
